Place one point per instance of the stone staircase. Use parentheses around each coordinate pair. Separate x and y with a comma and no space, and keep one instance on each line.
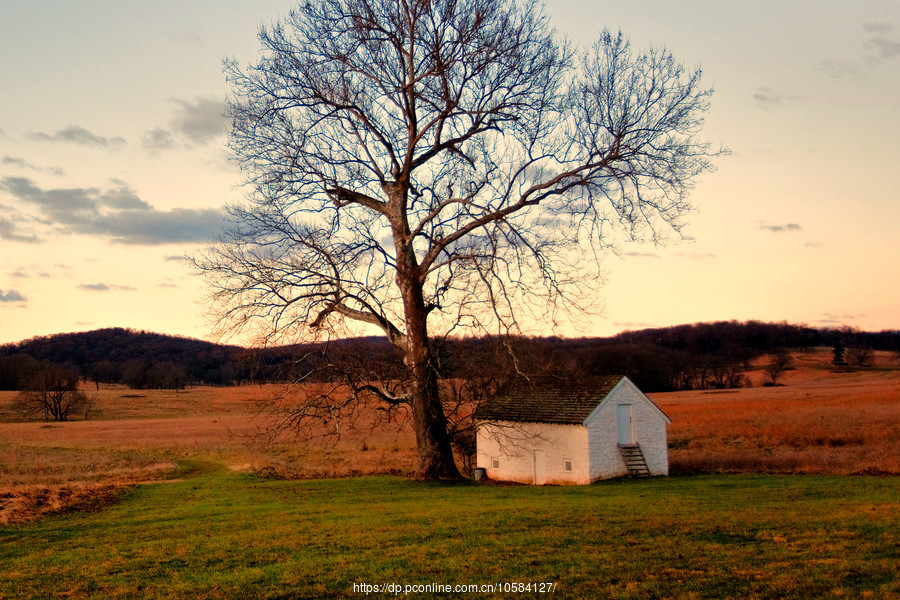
(634,460)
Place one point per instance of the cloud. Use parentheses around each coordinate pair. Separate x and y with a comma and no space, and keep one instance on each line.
(8,232)
(842,69)
(878,27)
(814,245)
(39,270)
(883,49)
(184,37)
(123,198)
(833,319)
(21,273)
(198,122)
(767,98)
(201,121)
(117,213)
(879,48)
(74,134)
(641,255)
(781,228)
(156,227)
(158,139)
(23,164)
(103,287)
(12,296)
(61,205)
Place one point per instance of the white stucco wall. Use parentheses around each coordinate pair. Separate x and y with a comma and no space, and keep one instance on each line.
(649,432)
(513,446)
(592,448)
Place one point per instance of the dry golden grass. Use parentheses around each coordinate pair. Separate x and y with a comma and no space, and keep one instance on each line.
(118,402)
(27,503)
(141,436)
(131,437)
(820,421)
(35,480)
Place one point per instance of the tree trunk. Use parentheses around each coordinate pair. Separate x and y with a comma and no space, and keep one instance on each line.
(436,460)
(433,442)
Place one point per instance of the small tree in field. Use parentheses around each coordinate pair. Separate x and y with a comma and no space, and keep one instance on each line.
(779,362)
(860,356)
(431,167)
(53,393)
(838,354)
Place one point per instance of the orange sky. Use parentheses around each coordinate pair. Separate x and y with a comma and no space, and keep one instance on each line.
(113,164)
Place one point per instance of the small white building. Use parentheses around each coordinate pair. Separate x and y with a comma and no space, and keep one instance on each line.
(572,433)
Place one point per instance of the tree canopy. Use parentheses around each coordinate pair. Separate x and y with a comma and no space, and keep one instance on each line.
(436,166)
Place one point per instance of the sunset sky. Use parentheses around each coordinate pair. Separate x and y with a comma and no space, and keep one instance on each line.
(113,163)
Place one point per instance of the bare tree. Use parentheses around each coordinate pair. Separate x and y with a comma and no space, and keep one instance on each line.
(779,362)
(333,394)
(429,167)
(860,356)
(53,393)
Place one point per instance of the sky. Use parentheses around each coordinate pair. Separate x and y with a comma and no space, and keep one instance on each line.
(114,166)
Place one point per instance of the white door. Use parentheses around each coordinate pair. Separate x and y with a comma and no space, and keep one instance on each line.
(540,467)
(625,423)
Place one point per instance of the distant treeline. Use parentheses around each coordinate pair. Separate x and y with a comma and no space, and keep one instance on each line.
(698,356)
(137,358)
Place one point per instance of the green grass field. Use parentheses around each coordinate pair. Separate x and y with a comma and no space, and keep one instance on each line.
(221,534)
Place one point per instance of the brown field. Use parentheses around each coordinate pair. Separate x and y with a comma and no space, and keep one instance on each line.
(819,421)
(133,437)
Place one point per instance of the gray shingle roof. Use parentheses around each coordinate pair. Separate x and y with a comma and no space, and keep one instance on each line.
(569,401)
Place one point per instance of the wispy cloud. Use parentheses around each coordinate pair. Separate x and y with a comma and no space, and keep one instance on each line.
(74,134)
(10,232)
(22,273)
(641,255)
(882,49)
(158,139)
(194,122)
(878,28)
(184,37)
(23,164)
(104,287)
(117,213)
(782,228)
(834,319)
(202,120)
(882,46)
(768,98)
(11,296)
